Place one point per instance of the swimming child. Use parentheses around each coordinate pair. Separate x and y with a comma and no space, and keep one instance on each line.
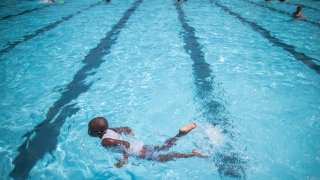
(297,13)
(98,127)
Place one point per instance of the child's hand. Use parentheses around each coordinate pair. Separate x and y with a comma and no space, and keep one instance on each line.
(131,133)
(120,164)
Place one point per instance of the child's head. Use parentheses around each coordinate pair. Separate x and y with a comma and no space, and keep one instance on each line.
(97,126)
(299,8)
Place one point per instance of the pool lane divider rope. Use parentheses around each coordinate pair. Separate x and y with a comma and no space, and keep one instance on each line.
(43,138)
(305,59)
(25,38)
(23,12)
(282,12)
(230,165)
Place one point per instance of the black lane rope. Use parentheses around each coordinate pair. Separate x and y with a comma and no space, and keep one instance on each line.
(231,164)
(23,12)
(43,138)
(282,12)
(43,30)
(305,59)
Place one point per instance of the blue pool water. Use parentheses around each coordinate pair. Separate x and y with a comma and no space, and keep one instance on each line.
(243,70)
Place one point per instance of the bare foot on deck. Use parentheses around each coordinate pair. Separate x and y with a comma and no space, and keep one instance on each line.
(187,128)
(197,153)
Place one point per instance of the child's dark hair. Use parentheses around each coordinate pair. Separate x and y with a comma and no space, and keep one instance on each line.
(98,124)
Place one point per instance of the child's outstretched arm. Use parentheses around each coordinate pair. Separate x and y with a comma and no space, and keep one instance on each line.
(123,161)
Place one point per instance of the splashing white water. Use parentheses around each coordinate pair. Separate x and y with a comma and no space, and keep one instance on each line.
(214,134)
(209,138)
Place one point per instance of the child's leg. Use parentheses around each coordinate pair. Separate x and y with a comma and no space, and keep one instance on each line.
(171,141)
(171,156)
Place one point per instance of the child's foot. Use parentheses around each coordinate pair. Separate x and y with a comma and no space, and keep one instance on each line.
(187,128)
(197,153)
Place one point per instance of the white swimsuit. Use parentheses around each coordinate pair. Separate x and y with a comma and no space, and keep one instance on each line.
(111,134)
(135,147)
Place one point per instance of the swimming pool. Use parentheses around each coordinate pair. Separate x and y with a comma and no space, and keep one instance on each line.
(243,70)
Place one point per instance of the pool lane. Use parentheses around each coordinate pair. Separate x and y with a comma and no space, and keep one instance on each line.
(23,12)
(256,76)
(281,12)
(228,164)
(8,8)
(309,61)
(290,6)
(35,74)
(300,56)
(43,138)
(16,28)
(43,30)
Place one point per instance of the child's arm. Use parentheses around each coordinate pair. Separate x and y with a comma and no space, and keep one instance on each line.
(108,142)
(125,130)
(123,161)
